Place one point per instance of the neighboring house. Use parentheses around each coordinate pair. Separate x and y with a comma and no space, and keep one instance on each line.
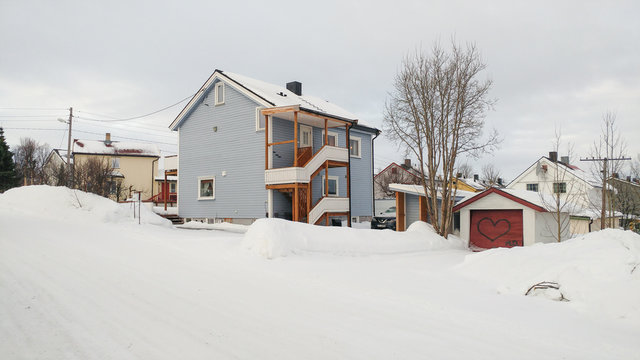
(166,181)
(472,185)
(506,218)
(133,164)
(626,199)
(54,166)
(392,174)
(577,192)
(249,149)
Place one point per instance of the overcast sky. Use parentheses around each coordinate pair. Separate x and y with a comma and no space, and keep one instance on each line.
(553,64)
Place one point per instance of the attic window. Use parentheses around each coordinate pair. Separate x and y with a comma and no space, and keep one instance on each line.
(219,93)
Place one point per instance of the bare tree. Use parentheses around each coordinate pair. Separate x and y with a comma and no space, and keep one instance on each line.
(609,152)
(94,175)
(394,175)
(436,111)
(566,194)
(491,175)
(465,170)
(30,157)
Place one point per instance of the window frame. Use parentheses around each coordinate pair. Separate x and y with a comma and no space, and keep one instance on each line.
(259,117)
(300,137)
(213,186)
(331,177)
(533,185)
(174,186)
(330,134)
(359,141)
(559,187)
(219,86)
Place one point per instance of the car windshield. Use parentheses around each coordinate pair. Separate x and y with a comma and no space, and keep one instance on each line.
(391,210)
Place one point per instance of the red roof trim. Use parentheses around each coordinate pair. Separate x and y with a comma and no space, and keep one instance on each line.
(493,190)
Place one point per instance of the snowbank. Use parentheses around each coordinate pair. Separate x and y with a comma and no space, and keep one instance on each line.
(274,238)
(598,272)
(64,204)
(224,226)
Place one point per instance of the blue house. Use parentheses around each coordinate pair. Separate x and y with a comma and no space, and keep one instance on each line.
(249,150)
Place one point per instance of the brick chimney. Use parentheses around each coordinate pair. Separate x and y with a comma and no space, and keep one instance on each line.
(295,87)
(553,156)
(107,139)
(407,164)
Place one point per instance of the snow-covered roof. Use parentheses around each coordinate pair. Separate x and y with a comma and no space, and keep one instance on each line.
(114,148)
(572,170)
(169,178)
(269,95)
(418,190)
(474,184)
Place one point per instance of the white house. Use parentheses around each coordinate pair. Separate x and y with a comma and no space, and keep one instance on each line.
(578,193)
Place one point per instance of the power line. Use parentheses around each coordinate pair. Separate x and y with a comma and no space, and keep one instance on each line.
(31,108)
(128,138)
(28,116)
(11,128)
(137,117)
(166,133)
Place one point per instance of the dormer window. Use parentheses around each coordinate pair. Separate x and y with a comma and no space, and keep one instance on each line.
(219,93)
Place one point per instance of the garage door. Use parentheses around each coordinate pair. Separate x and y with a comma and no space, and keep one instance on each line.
(496,228)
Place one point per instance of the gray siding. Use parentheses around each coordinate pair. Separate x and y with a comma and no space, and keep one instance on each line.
(236,148)
(413,208)
(362,178)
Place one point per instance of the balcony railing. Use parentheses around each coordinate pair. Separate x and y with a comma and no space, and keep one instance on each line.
(291,175)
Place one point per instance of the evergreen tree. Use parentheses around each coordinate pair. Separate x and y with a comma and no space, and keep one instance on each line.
(8,177)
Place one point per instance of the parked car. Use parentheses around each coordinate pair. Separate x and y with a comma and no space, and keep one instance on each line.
(386,220)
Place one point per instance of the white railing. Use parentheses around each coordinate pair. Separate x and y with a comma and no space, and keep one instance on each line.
(328,204)
(291,175)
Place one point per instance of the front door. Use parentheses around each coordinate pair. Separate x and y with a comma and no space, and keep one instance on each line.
(306,136)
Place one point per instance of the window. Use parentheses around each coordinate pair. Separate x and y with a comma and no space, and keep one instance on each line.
(259,119)
(115,163)
(354,146)
(333,185)
(532,187)
(219,93)
(206,188)
(560,188)
(172,187)
(332,138)
(306,136)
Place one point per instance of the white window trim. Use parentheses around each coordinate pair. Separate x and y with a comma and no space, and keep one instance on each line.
(331,177)
(213,196)
(115,161)
(331,133)
(359,140)
(300,135)
(219,86)
(258,118)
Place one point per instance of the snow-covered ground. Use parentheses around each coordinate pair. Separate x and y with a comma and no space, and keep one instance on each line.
(80,279)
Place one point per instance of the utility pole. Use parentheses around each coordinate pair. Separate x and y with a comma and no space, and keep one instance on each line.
(69,143)
(603,211)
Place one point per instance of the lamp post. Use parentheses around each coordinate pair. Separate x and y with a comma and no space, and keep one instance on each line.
(68,140)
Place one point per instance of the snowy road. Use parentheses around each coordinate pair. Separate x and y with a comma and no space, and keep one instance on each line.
(78,289)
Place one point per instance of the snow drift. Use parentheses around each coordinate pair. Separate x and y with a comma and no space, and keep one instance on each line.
(598,272)
(64,204)
(274,238)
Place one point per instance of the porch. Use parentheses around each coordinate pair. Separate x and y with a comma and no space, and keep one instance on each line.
(293,161)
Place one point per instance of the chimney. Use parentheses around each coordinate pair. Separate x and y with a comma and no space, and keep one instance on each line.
(553,156)
(407,163)
(500,181)
(565,160)
(107,139)
(629,178)
(476,177)
(295,87)
(616,176)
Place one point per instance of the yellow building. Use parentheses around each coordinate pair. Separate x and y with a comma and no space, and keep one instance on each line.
(133,165)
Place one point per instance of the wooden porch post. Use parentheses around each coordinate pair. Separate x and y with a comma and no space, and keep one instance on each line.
(294,215)
(295,138)
(422,204)
(326,132)
(266,142)
(326,178)
(164,190)
(308,201)
(400,218)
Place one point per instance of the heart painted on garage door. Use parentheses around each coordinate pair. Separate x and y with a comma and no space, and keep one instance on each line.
(493,230)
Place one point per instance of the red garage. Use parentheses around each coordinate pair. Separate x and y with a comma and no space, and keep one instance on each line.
(506,218)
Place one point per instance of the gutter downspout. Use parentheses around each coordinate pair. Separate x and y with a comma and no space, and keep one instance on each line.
(373,182)
(348,133)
